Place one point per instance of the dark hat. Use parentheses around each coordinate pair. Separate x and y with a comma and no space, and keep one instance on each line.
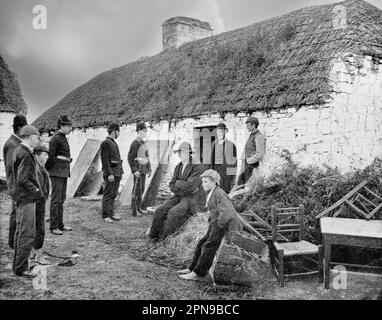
(184,146)
(221,125)
(141,126)
(113,127)
(40,148)
(19,121)
(253,120)
(63,120)
(29,130)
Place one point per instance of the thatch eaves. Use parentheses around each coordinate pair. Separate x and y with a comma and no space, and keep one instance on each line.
(278,63)
(11,99)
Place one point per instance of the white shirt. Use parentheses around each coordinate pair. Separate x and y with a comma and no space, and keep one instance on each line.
(209,195)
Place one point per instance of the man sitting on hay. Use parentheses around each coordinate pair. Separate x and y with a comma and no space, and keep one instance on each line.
(188,194)
(222,221)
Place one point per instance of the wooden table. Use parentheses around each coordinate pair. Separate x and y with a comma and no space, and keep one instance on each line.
(348,232)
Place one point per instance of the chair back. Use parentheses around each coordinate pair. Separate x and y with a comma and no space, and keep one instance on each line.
(287,223)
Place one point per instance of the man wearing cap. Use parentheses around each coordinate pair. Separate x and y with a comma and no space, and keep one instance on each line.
(19,121)
(223,158)
(188,194)
(58,166)
(223,221)
(41,155)
(26,192)
(140,165)
(254,150)
(112,172)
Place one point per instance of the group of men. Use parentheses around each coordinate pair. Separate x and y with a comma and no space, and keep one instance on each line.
(31,167)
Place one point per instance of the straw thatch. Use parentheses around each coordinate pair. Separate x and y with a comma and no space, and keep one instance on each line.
(278,63)
(11,99)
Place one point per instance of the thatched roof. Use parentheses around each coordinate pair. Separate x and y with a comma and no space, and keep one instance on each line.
(11,99)
(278,63)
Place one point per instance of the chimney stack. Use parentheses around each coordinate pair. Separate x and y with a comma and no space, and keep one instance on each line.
(179,30)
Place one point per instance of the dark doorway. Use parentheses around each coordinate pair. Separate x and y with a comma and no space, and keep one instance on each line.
(204,136)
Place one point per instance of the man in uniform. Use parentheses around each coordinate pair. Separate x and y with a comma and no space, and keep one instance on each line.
(188,195)
(58,166)
(223,158)
(112,172)
(26,192)
(254,150)
(10,145)
(139,163)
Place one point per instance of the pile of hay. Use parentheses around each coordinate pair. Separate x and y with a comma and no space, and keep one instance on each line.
(177,250)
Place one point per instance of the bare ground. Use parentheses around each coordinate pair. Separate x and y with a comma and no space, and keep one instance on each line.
(113,265)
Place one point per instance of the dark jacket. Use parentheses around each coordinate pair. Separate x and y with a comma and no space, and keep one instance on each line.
(111,158)
(138,149)
(59,147)
(189,182)
(254,150)
(9,147)
(222,210)
(43,179)
(26,188)
(223,154)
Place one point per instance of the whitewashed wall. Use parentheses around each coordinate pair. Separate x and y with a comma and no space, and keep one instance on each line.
(6,121)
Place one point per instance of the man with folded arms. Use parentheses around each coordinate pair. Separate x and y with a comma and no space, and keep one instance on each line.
(58,166)
(26,192)
(112,172)
(186,184)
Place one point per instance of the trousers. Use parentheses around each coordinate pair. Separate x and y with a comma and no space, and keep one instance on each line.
(110,192)
(57,202)
(24,236)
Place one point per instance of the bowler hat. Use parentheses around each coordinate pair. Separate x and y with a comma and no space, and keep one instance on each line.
(253,120)
(213,174)
(29,130)
(113,127)
(141,126)
(63,120)
(40,148)
(184,146)
(19,121)
(222,126)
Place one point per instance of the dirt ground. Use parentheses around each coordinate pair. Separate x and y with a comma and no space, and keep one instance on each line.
(112,266)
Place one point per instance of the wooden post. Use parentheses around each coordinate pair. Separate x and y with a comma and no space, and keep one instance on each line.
(328,248)
(274,224)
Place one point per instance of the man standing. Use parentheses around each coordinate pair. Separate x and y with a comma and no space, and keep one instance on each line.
(223,158)
(26,192)
(58,166)
(254,150)
(188,194)
(139,163)
(11,144)
(112,172)
(41,154)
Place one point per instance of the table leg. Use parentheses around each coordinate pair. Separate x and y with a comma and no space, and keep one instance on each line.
(328,249)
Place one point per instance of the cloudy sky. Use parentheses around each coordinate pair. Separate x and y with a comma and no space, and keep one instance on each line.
(86,37)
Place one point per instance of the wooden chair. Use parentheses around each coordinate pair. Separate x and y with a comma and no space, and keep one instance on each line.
(290,221)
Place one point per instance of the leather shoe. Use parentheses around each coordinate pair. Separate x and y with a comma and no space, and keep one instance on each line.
(66,228)
(27,275)
(115,218)
(142,211)
(109,220)
(57,232)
